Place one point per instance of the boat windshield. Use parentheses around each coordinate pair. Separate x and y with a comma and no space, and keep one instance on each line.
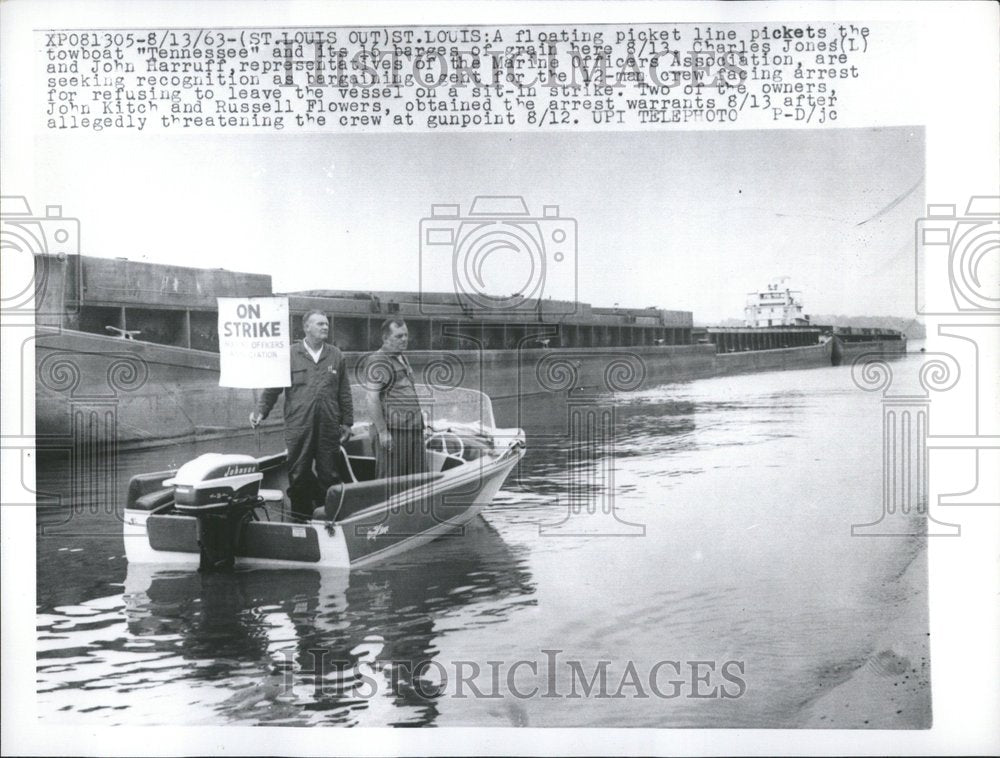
(444,407)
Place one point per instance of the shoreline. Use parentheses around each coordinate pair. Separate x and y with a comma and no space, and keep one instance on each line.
(891,689)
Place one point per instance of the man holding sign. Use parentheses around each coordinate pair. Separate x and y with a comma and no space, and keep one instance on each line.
(318,414)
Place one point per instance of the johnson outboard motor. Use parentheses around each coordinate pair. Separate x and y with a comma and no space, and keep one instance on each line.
(221,491)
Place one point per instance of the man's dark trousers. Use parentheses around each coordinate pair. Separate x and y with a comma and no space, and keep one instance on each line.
(317,404)
(319,442)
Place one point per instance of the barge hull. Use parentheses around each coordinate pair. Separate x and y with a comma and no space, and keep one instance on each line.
(848,352)
(152,395)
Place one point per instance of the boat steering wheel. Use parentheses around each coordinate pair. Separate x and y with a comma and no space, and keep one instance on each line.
(445,438)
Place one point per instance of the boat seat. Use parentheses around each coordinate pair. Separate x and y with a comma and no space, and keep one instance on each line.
(152,500)
(345,500)
(475,448)
(144,484)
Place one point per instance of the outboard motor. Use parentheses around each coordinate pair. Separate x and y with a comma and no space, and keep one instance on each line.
(221,491)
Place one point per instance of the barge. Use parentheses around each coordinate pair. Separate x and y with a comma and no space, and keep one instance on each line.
(127,352)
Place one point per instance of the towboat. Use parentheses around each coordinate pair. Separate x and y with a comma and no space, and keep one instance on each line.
(221,511)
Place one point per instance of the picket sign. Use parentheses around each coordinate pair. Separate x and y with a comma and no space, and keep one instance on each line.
(254,342)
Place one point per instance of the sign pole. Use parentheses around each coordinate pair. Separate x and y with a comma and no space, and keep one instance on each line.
(256,429)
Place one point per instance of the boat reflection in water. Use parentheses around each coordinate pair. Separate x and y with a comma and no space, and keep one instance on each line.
(323,646)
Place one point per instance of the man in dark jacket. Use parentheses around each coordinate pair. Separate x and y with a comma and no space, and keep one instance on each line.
(318,414)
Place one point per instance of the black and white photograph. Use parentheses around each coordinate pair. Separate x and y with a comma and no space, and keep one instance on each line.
(616,380)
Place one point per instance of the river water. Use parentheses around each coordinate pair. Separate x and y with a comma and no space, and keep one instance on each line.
(698,569)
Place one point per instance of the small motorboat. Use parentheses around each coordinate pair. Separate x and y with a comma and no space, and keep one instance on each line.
(221,511)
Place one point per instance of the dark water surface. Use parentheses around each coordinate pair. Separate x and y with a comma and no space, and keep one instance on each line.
(724,589)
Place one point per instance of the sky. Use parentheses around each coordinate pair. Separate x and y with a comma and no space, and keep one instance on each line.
(680,220)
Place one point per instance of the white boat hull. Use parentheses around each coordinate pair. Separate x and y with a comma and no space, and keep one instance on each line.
(405,521)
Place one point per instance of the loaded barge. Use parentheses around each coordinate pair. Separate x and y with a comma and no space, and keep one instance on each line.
(133,347)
